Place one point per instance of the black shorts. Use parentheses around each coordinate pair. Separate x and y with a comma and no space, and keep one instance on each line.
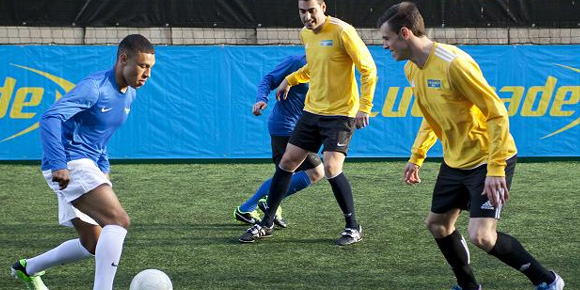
(313,131)
(279,147)
(457,188)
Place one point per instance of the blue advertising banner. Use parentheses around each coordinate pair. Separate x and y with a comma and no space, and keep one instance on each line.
(198,101)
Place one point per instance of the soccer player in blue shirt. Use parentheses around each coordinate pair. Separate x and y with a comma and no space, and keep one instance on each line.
(74,133)
(281,123)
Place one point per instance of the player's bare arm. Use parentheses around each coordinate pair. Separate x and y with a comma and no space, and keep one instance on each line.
(496,190)
(258,107)
(361,119)
(282,92)
(411,174)
(62,177)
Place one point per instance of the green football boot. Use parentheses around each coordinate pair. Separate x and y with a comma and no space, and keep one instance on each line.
(33,282)
(247,217)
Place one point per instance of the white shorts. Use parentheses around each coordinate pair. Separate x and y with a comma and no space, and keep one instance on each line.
(84,177)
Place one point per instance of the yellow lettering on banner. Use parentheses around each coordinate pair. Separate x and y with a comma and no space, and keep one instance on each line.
(20,102)
(57,94)
(545,93)
(6,95)
(561,100)
(515,100)
(403,108)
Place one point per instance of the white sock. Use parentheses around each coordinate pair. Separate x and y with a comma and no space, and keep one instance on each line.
(67,252)
(107,256)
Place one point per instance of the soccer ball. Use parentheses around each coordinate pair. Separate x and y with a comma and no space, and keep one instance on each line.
(151,279)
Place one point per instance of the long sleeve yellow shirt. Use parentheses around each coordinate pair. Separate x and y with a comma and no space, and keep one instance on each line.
(460,109)
(331,56)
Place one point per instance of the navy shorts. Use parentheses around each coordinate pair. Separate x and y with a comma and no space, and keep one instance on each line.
(312,131)
(458,188)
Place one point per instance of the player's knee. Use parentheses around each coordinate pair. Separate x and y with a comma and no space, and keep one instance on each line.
(288,164)
(437,229)
(332,170)
(316,174)
(482,239)
(120,219)
(124,221)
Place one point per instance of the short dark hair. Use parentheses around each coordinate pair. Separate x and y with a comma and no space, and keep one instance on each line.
(134,43)
(404,14)
(319,1)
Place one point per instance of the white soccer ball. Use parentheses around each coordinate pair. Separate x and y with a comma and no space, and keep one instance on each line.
(151,279)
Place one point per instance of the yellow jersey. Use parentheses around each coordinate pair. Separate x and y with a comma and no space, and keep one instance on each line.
(462,110)
(331,56)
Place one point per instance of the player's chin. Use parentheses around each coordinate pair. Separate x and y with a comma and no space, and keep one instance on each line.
(309,25)
(138,84)
(395,56)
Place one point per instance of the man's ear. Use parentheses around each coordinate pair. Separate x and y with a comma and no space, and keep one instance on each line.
(405,33)
(123,58)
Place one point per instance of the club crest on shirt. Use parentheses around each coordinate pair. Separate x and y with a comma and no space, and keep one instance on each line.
(431,83)
(326,42)
(127,110)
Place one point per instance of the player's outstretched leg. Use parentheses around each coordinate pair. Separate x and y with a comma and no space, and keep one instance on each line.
(67,252)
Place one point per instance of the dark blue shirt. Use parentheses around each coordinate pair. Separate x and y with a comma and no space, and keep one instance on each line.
(286,113)
(80,124)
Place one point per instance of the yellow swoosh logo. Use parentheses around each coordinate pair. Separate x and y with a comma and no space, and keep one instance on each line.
(64,84)
(573,123)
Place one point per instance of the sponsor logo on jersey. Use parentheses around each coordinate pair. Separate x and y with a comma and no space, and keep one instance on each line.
(434,83)
(326,42)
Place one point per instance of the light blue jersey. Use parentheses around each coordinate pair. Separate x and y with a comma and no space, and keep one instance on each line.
(80,124)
